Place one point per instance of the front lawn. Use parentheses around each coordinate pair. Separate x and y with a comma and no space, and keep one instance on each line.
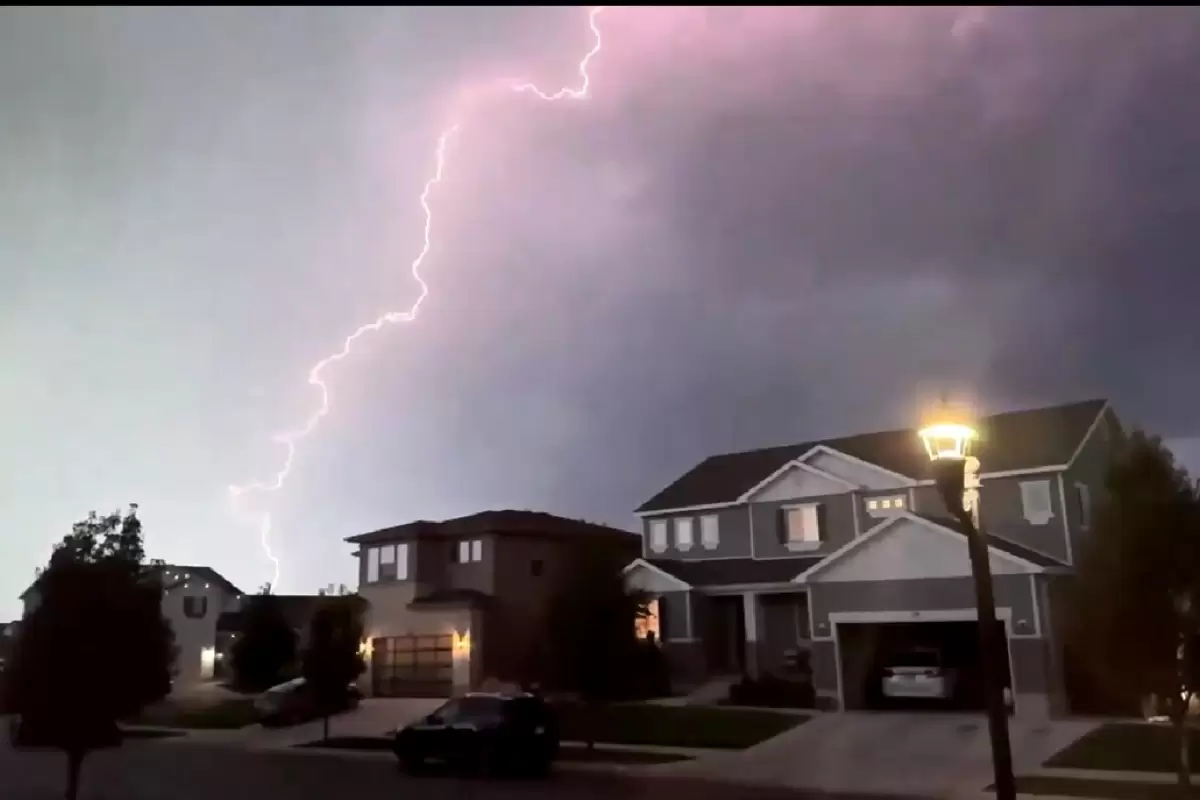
(675,726)
(567,753)
(1100,789)
(1126,747)
(225,713)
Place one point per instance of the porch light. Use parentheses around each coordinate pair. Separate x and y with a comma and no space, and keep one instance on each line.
(462,644)
(365,648)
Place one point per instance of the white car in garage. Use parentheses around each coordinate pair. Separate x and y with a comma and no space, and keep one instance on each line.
(919,674)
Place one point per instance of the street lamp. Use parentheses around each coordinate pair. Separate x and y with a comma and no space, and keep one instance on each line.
(948,444)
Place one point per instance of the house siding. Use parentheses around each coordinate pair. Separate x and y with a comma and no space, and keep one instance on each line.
(733,535)
(1090,468)
(839,525)
(1012,591)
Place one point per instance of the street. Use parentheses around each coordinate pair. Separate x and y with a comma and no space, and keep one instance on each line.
(158,770)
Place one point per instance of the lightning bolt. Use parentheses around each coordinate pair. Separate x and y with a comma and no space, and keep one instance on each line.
(291,439)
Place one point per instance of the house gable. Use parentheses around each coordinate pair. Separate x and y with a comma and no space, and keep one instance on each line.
(908,547)
(643,576)
(854,470)
(795,481)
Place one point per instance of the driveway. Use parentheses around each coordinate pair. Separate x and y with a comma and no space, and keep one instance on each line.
(373,717)
(935,755)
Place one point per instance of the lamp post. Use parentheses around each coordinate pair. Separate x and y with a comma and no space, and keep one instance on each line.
(955,471)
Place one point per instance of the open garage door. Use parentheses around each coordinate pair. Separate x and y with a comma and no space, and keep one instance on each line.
(412,666)
(912,665)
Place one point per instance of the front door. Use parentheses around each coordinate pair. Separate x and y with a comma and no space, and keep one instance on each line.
(725,637)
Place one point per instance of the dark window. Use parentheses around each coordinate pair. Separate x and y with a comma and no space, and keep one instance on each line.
(195,607)
(536,567)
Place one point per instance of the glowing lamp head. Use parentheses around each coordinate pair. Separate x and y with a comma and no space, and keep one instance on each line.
(462,644)
(948,441)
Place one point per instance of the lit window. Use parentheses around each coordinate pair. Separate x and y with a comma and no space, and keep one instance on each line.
(885,503)
(876,506)
(872,505)
(802,525)
(710,535)
(683,533)
(658,535)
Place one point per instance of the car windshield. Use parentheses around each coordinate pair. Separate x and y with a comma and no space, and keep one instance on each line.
(469,709)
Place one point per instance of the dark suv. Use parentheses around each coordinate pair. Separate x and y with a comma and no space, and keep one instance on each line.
(487,734)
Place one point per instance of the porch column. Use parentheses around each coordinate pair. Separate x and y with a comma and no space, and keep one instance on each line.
(750,615)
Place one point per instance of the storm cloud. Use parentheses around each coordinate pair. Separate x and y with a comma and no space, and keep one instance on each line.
(765,225)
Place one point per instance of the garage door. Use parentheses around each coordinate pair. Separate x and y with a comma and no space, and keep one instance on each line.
(867,650)
(412,666)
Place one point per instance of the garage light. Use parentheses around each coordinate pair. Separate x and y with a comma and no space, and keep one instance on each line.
(462,644)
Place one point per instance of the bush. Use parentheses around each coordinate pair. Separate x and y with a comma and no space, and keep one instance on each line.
(771,691)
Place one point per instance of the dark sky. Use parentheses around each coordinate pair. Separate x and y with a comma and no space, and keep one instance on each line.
(764,225)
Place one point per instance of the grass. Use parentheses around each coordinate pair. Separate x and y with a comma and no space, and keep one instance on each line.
(567,753)
(675,726)
(225,713)
(1102,789)
(1126,747)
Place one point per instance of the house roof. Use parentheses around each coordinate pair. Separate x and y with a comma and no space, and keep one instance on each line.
(1043,437)
(451,597)
(999,543)
(176,575)
(519,523)
(734,571)
(297,610)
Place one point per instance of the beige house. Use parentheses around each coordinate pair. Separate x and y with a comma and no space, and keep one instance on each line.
(454,603)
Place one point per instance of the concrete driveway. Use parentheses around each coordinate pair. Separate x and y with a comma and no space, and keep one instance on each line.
(932,755)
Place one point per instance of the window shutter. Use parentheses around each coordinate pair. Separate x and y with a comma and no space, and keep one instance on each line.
(821,521)
(781,525)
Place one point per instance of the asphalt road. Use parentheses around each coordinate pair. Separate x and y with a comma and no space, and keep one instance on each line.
(178,771)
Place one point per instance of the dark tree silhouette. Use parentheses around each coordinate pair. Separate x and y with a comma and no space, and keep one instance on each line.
(1138,589)
(591,639)
(98,613)
(332,660)
(265,649)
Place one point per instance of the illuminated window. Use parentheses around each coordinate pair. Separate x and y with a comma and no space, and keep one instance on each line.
(658,535)
(649,624)
(881,506)
(802,525)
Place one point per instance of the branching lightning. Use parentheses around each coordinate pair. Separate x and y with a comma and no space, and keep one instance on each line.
(291,439)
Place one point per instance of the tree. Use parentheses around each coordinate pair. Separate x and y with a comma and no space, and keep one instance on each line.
(591,639)
(1138,588)
(265,648)
(99,615)
(332,660)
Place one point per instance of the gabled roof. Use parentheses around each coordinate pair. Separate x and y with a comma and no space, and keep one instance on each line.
(734,571)
(506,522)
(1014,440)
(176,575)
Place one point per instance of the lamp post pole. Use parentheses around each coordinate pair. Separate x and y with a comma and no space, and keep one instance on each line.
(950,473)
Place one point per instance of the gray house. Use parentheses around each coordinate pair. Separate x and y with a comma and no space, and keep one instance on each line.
(834,553)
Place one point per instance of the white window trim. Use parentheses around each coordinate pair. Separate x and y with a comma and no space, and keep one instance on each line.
(372,565)
(659,535)
(685,524)
(1036,516)
(477,550)
(402,562)
(710,524)
(801,545)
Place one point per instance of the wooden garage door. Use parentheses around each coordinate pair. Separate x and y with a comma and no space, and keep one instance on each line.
(412,666)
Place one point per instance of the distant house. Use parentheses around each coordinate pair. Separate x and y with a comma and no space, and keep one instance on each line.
(193,600)
(453,603)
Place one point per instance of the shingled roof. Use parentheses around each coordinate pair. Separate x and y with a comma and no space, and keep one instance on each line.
(1013,440)
(520,523)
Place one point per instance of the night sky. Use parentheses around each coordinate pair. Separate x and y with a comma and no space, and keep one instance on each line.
(764,226)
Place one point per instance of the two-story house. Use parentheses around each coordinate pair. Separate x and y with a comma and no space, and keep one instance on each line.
(193,599)
(453,603)
(841,550)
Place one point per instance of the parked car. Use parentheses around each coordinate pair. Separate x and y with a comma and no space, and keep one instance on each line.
(484,733)
(292,702)
(919,674)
